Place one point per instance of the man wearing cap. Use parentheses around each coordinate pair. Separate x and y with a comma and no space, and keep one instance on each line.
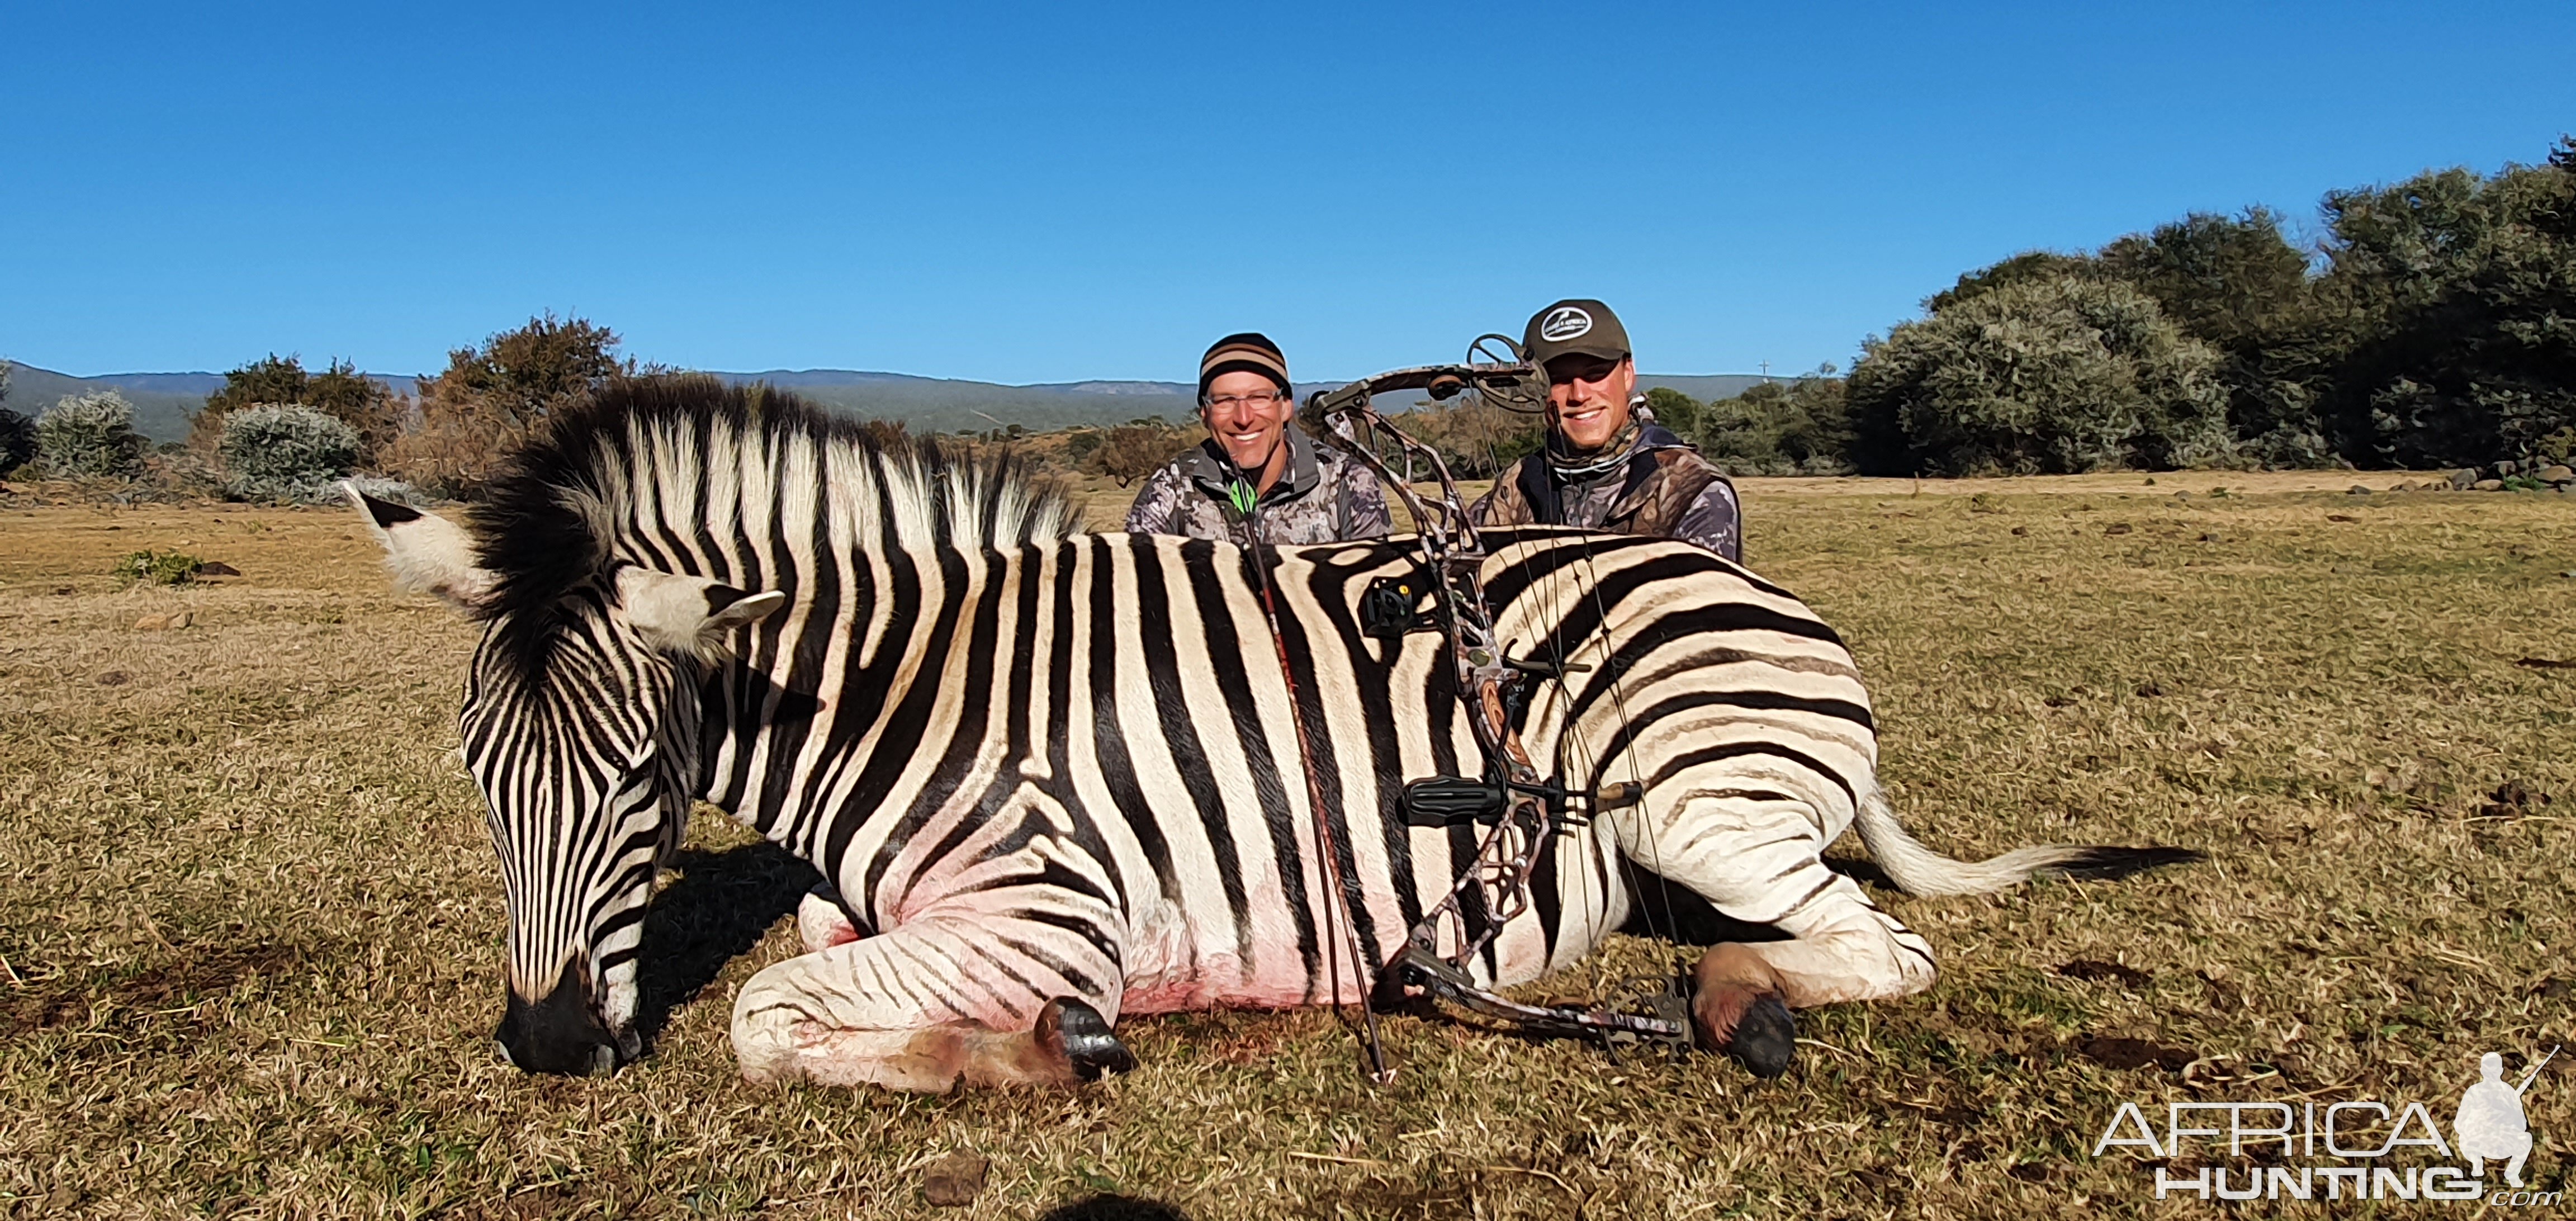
(1255,464)
(1606,465)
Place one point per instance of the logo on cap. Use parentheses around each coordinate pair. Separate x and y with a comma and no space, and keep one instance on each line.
(1563,323)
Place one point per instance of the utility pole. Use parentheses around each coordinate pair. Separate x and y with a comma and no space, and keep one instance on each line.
(1766,370)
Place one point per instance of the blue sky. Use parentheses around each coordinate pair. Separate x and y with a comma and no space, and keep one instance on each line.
(1056,193)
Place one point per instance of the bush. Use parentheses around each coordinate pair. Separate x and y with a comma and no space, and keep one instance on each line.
(338,391)
(1130,452)
(452,448)
(1798,427)
(159,567)
(17,440)
(2048,376)
(17,432)
(492,398)
(1675,410)
(2457,290)
(89,435)
(279,451)
(1476,438)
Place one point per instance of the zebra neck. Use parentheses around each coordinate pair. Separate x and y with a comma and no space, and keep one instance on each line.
(811,730)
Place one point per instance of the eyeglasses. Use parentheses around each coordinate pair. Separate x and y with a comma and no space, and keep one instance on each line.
(1263,401)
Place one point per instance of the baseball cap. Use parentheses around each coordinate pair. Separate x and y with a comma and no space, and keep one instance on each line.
(1575,325)
(1249,352)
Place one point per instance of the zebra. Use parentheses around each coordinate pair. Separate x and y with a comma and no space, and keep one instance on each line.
(1051,778)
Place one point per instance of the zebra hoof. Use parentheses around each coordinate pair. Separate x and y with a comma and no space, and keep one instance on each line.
(1073,1029)
(1766,1038)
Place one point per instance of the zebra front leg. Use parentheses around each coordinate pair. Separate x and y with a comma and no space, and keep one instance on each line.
(822,921)
(986,1000)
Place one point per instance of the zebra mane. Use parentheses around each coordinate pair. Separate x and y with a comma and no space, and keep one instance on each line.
(643,469)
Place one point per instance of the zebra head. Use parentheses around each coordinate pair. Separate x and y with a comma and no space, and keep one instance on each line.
(581,731)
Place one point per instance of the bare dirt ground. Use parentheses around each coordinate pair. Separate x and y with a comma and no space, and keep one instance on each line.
(249,926)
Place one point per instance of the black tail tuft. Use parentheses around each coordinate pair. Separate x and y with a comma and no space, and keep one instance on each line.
(2111,864)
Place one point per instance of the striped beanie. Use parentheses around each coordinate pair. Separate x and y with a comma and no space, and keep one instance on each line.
(1249,352)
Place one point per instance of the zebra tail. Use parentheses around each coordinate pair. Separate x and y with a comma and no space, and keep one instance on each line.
(1918,870)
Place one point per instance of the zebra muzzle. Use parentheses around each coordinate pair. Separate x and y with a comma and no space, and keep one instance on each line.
(560,1032)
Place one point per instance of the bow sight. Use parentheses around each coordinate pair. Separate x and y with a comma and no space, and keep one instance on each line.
(1522,811)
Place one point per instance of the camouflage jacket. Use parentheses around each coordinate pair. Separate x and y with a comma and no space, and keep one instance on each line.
(1323,497)
(1663,488)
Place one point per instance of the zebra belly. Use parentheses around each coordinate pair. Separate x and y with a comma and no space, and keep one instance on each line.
(1174,966)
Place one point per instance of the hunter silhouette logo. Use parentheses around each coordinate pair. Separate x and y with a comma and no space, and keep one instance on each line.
(1563,323)
(2490,1123)
(2351,1149)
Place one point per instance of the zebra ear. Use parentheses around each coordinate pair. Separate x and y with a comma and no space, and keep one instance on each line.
(690,615)
(427,553)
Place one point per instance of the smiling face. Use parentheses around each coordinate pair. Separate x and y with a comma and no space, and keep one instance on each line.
(1588,399)
(1248,414)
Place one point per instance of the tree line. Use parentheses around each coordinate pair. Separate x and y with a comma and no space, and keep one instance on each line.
(2433,325)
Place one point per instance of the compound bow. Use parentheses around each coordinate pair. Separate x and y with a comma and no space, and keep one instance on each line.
(1523,810)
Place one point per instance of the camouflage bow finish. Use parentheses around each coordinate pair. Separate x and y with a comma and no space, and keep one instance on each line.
(1531,809)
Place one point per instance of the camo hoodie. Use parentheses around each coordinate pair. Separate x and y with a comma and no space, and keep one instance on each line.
(1323,497)
(1660,486)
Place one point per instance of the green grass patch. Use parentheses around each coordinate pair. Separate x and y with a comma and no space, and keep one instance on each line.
(158,568)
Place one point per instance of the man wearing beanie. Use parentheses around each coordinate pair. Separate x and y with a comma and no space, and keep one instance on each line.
(1255,462)
(1606,465)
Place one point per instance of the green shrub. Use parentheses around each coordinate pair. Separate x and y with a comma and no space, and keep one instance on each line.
(2457,290)
(17,432)
(286,452)
(88,434)
(159,567)
(1131,452)
(1798,427)
(17,440)
(1478,439)
(1675,410)
(2046,376)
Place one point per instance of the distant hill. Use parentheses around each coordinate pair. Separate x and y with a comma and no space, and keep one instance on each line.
(164,401)
(1706,387)
(948,405)
(943,405)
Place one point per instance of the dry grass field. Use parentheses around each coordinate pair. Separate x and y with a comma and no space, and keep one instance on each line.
(249,926)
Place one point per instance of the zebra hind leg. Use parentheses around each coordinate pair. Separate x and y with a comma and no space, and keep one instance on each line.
(1754,851)
(1070,1028)
(1737,1007)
